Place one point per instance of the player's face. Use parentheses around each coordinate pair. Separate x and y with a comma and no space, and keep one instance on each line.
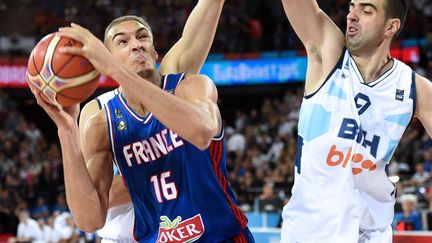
(132,44)
(366,23)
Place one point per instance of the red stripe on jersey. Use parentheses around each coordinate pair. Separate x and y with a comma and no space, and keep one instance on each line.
(240,238)
(216,153)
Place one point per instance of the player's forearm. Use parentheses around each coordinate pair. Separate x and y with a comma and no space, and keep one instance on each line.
(193,124)
(198,34)
(81,194)
(311,31)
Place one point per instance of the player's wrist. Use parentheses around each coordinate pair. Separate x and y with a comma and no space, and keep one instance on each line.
(67,131)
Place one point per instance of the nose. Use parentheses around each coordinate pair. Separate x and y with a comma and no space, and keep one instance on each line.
(352,15)
(137,45)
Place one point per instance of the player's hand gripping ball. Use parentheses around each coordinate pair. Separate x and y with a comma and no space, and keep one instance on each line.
(63,79)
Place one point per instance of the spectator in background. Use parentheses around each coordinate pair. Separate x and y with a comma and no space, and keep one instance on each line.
(40,211)
(410,218)
(64,225)
(49,234)
(28,229)
(275,151)
(420,176)
(427,162)
(268,200)
(236,144)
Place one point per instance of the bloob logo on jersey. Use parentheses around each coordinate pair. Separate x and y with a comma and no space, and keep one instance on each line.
(358,162)
(177,231)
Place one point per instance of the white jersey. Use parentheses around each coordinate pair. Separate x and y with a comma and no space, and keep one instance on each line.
(348,131)
(120,220)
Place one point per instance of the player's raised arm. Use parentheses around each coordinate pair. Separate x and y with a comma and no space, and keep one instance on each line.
(314,28)
(322,39)
(189,53)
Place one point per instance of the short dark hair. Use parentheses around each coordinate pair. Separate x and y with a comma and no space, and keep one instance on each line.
(124,19)
(397,9)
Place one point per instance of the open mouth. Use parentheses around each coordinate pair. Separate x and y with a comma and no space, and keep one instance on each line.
(352,30)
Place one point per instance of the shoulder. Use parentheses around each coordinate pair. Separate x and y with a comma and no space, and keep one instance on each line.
(99,118)
(419,78)
(95,133)
(198,80)
(92,107)
(196,83)
(88,110)
(423,88)
(96,124)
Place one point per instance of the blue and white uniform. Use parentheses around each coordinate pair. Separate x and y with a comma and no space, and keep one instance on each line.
(180,193)
(347,133)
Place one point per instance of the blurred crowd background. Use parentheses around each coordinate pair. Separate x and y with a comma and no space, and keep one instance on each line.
(260,132)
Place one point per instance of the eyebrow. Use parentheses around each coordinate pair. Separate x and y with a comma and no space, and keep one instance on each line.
(123,33)
(365,5)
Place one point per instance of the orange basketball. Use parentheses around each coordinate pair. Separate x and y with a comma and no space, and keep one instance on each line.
(64,79)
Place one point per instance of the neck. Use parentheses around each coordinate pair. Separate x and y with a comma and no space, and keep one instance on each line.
(373,65)
(134,102)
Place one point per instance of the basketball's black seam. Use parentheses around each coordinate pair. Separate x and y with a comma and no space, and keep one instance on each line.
(64,65)
(34,63)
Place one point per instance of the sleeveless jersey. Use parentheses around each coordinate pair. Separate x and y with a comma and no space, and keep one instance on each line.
(180,193)
(103,99)
(119,221)
(347,133)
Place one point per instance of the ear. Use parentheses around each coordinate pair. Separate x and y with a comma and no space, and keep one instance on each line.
(392,27)
(156,54)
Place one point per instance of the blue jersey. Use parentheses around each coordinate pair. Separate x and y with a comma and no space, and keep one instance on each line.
(180,193)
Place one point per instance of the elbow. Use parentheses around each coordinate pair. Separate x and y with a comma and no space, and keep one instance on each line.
(203,137)
(89,223)
(88,226)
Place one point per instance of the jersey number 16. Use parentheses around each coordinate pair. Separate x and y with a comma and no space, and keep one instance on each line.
(169,190)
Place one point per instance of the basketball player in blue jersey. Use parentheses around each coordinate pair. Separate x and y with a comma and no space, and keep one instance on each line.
(199,30)
(358,102)
(164,134)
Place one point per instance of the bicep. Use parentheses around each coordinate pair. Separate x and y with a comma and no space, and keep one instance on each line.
(100,169)
(200,91)
(197,87)
(97,153)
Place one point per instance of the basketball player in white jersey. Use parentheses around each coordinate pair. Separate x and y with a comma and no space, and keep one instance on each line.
(187,55)
(358,102)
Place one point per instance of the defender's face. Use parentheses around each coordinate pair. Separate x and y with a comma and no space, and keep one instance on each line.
(132,44)
(366,23)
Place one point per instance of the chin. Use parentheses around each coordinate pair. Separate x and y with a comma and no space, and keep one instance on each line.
(146,73)
(351,45)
